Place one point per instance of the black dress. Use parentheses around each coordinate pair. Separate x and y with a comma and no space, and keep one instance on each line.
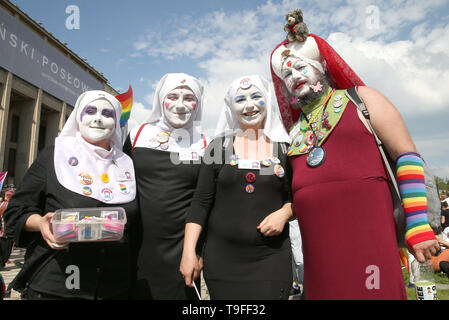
(107,269)
(165,191)
(239,262)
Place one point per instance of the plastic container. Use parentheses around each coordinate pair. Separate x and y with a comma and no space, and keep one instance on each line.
(424,280)
(88,224)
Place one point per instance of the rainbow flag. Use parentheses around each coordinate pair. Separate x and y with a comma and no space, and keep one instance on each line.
(126,99)
(404,258)
(2,178)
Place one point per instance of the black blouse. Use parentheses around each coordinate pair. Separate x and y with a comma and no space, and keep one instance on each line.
(107,269)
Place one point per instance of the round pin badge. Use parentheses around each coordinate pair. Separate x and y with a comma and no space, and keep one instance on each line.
(250,177)
(337,110)
(73,161)
(123,188)
(162,137)
(290,151)
(164,146)
(106,194)
(279,171)
(325,115)
(275,160)
(234,160)
(337,97)
(303,148)
(87,191)
(245,83)
(266,163)
(85,178)
(105,178)
(249,188)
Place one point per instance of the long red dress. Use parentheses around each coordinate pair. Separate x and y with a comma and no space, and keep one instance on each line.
(345,211)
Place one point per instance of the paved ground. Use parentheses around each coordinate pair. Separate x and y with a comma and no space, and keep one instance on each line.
(14,265)
(11,269)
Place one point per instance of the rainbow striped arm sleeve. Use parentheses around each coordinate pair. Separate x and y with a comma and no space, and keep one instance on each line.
(412,186)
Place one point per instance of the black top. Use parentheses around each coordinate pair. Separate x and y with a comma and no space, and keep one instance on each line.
(165,189)
(107,269)
(445,214)
(235,250)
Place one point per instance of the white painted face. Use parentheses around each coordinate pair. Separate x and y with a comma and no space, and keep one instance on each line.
(249,107)
(97,121)
(299,77)
(179,106)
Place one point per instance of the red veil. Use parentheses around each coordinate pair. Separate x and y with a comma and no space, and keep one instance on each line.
(342,75)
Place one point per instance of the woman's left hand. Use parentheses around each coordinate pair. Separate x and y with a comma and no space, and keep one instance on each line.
(274,223)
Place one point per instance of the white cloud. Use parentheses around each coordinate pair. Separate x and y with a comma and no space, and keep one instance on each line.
(405,56)
(138,115)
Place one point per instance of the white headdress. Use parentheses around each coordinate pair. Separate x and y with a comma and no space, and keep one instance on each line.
(158,123)
(92,171)
(273,127)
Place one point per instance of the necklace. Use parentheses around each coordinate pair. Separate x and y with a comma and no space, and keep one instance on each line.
(317,154)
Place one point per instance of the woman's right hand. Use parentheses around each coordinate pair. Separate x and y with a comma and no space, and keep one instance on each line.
(190,268)
(47,234)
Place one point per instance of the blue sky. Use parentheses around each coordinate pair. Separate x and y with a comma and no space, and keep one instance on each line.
(399,47)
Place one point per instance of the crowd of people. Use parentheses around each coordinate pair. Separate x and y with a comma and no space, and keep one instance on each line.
(244,206)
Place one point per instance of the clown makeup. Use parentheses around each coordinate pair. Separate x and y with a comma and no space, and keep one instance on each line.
(97,121)
(249,108)
(179,106)
(304,82)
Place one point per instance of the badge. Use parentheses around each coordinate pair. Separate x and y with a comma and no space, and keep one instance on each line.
(297,141)
(290,151)
(338,104)
(123,188)
(316,157)
(279,171)
(245,83)
(325,115)
(303,148)
(275,160)
(187,155)
(337,97)
(266,163)
(164,146)
(106,193)
(153,143)
(86,179)
(250,177)
(234,160)
(249,188)
(249,164)
(162,137)
(73,161)
(337,110)
(123,175)
(87,191)
(295,130)
(105,178)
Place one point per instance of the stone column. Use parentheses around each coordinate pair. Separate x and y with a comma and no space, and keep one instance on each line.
(35,124)
(4,111)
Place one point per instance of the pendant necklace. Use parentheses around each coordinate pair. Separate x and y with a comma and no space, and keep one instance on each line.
(317,154)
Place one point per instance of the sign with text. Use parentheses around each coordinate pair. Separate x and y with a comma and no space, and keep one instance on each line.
(33,59)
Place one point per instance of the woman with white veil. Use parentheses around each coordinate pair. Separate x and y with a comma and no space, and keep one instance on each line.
(166,151)
(243,198)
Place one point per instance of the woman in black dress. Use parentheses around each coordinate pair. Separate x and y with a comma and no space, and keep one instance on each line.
(86,168)
(166,151)
(243,198)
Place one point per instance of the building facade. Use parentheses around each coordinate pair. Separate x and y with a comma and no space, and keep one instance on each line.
(40,80)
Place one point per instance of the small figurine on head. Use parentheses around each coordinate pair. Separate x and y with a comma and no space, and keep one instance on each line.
(296,29)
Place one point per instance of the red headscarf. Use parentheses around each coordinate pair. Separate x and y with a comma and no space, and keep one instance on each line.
(342,75)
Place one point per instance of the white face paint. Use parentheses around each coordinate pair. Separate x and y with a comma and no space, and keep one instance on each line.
(97,121)
(249,107)
(179,106)
(300,77)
